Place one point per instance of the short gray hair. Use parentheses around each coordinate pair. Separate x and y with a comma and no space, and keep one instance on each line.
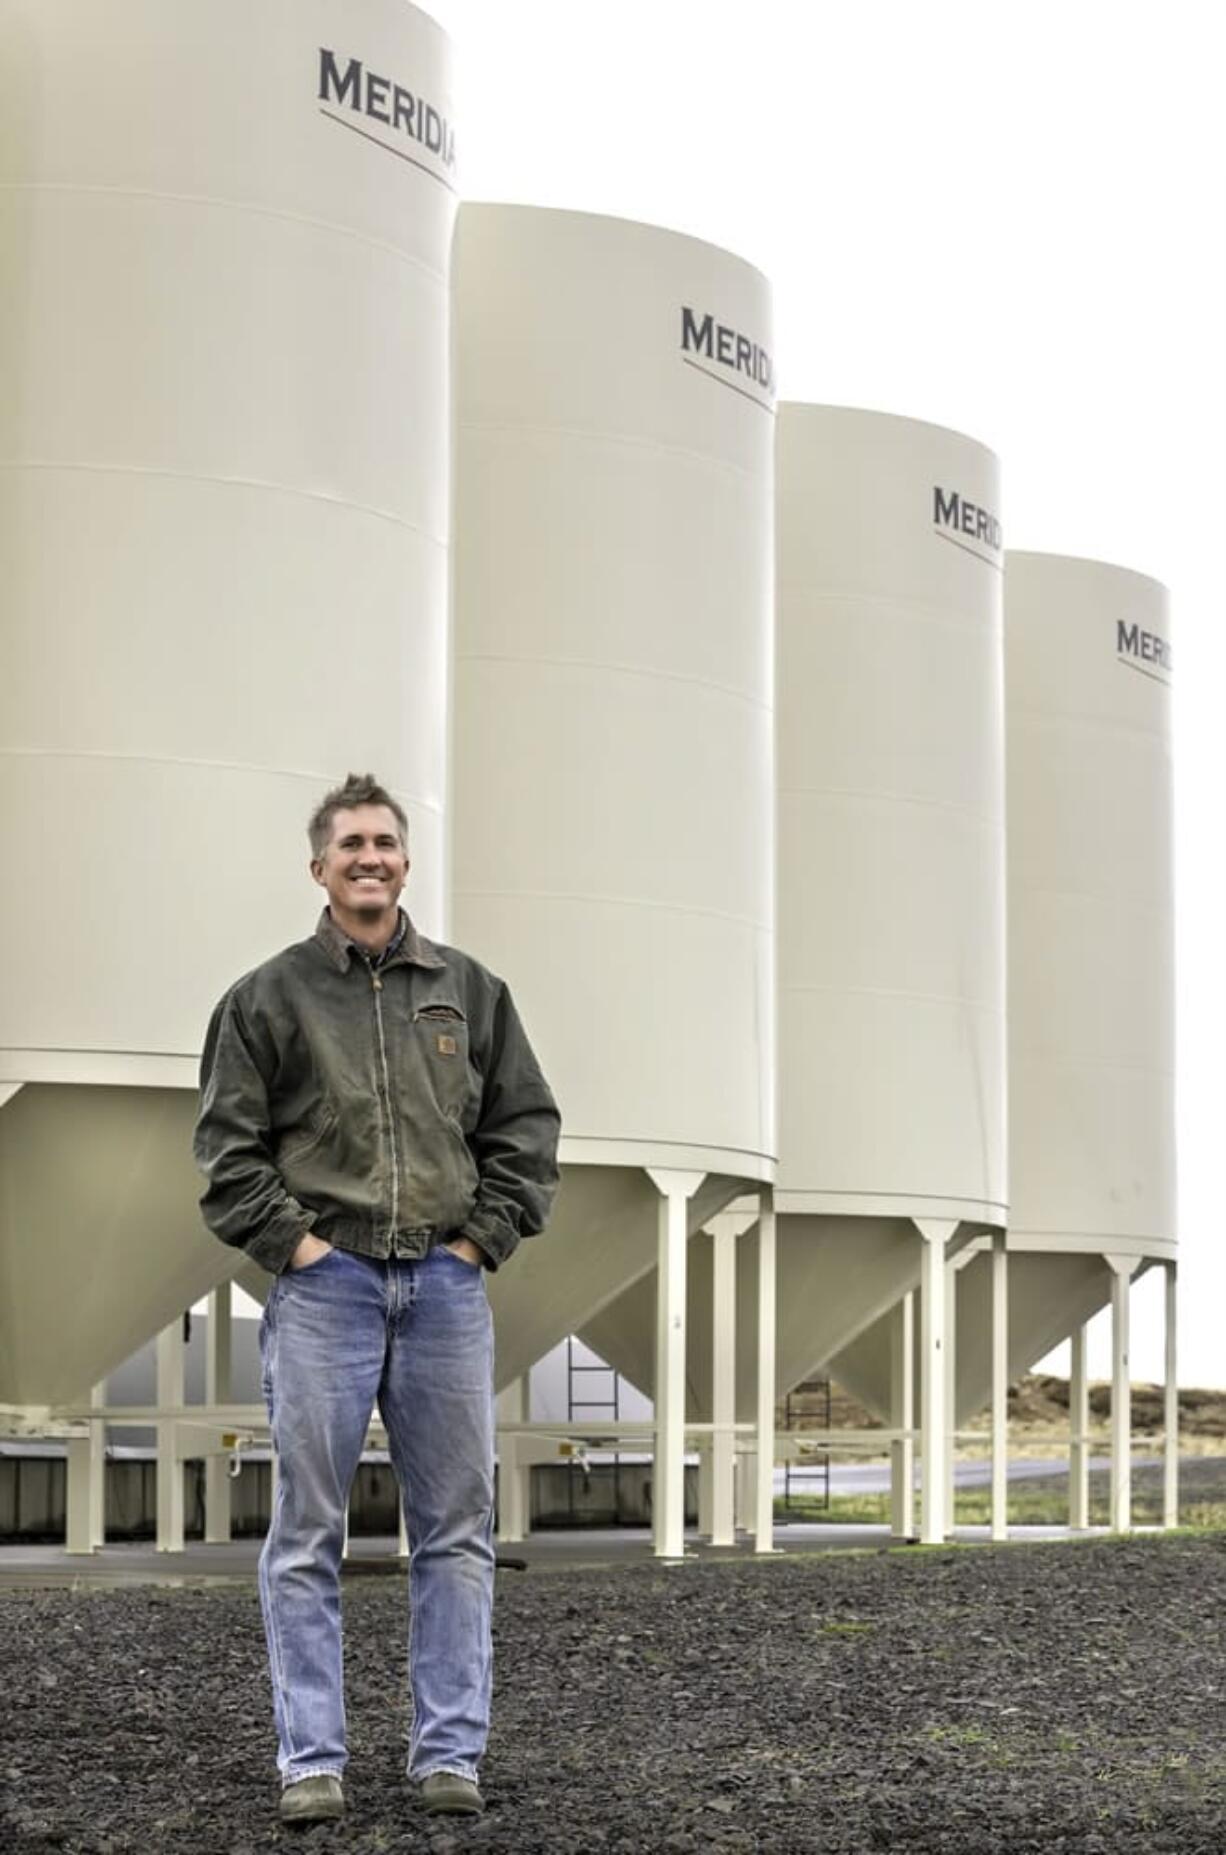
(357,789)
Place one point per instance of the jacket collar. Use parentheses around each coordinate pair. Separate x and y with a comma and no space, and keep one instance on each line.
(414,949)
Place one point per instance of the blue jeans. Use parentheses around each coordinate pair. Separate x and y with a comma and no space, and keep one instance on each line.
(416,1336)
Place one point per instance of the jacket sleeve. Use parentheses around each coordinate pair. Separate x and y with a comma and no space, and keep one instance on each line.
(515,1142)
(244,1201)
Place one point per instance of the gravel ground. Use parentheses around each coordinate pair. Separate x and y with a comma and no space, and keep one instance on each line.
(1065,1697)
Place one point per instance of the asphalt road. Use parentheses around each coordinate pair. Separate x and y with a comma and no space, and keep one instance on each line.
(874,1477)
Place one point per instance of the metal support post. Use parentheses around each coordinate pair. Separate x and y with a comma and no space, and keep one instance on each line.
(725,1230)
(1122,1268)
(935,1233)
(668,1473)
(902,1417)
(217,1385)
(1170,1445)
(79,1534)
(1079,1425)
(1000,1386)
(514,1518)
(723,1381)
(97,1467)
(170,1384)
(951,1393)
(705,1490)
(86,1484)
(764,1503)
(746,1489)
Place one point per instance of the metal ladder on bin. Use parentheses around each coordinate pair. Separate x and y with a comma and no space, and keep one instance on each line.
(609,1407)
(817,1472)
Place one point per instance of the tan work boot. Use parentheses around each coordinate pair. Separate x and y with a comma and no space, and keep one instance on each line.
(445,1793)
(312,1800)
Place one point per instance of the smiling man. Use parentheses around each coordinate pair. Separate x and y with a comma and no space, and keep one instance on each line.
(376,1133)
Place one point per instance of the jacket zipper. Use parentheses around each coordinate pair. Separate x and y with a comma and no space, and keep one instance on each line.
(377,984)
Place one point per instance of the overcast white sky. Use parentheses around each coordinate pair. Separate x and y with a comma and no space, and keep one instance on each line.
(1006,218)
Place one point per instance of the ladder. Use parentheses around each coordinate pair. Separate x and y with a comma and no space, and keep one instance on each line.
(816,1475)
(577,1407)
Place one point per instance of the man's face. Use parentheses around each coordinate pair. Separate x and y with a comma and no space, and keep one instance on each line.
(364,864)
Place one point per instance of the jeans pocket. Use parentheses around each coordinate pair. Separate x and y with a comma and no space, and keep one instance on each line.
(309,1268)
(457,1276)
(442,1249)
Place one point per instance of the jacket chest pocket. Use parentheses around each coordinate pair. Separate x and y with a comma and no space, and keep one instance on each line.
(441,1035)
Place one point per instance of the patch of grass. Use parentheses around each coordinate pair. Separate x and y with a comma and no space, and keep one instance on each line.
(845,1629)
(960,1735)
(1204,1517)
(842,1510)
(973,1507)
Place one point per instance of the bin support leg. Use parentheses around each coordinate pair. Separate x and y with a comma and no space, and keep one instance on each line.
(170,1383)
(746,1488)
(764,1504)
(902,1417)
(1079,1425)
(85,1494)
(1000,1387)
(1170,1450)
(706,1491)
(217,1387)
(514,1519)
(1122,1268)
(676,1188)
(950,1354)
(935,1233)
(724,1229)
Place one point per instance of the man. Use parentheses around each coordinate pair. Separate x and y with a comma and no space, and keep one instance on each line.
(375,1132)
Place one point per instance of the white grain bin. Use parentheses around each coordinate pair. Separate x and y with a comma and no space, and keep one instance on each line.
(1091,981)
(1091,944)
(612,803)
(891,883)
(226,231)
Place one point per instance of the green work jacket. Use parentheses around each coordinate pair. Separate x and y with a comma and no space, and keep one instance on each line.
(383,1107)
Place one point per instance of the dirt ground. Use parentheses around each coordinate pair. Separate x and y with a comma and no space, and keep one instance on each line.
(977,1701)
(1038,1417)
(1039,1402)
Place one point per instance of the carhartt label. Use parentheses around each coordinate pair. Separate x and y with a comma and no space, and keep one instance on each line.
(446,1045)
